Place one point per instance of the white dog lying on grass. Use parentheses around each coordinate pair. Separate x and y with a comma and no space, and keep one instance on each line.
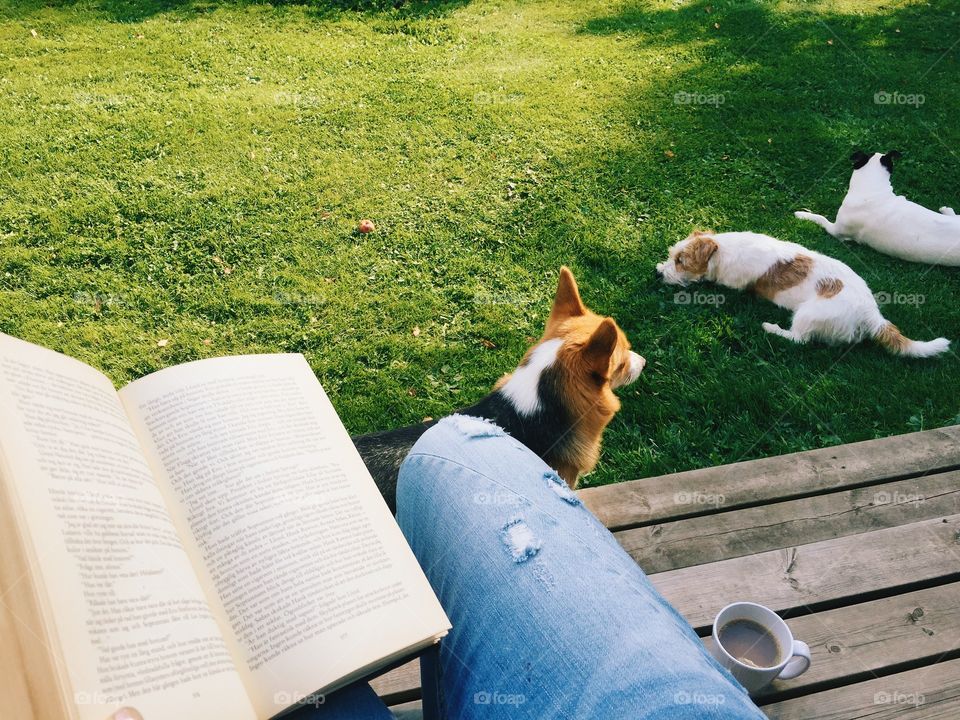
(871,214)
(830,302)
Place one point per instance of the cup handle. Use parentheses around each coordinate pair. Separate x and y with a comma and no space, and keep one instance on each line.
(798,664)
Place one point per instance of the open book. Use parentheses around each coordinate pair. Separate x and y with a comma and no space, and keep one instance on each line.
(205,543)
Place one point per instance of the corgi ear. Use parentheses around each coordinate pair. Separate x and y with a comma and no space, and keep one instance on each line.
(566,303)
(599,348)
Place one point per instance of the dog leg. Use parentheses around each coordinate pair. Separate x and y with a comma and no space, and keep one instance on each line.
(819,220)
(775,329)
(947,210)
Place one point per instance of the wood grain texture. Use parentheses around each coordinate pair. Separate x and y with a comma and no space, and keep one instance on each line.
(858,641)
(649,500)
(398,685)
(826,571)
(927,693)
(847,644)
(846,532)
(408,711)
(695,541)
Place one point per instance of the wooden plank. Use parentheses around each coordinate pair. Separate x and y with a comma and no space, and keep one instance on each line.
(821,572)
(695,541)
(636,502)
(927,693)
(846,643)
(916,695)
(850,642)
(856,642)
(821,470)
(919,694)
(830,570)
(408,711)
(399,685)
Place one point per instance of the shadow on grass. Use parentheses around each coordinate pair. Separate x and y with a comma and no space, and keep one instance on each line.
(777,101)
(752,113)
(801,89)
(132,11)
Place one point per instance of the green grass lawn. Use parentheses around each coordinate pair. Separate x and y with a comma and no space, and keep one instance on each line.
(180,180)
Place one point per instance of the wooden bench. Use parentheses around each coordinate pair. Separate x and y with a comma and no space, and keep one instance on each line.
(857,546)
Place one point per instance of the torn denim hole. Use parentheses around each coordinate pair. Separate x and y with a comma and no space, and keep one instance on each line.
(519,540)
(474,427)
(560,487)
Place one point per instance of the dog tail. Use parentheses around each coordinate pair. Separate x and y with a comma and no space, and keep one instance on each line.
(889,336)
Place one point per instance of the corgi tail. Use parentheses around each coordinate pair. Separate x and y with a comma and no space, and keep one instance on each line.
(889,336)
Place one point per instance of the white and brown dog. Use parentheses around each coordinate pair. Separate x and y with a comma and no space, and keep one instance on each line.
(830,302)
(872,214)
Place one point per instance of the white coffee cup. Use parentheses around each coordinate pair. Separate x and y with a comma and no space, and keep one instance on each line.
(794,655)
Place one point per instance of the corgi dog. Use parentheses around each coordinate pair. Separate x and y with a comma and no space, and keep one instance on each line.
(557,402)
(873,215)
(830,302)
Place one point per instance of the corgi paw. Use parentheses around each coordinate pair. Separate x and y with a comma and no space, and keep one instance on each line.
(947,210)
(772,328)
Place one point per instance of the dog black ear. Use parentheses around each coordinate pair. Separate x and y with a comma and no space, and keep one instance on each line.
(859,159)
(887,160)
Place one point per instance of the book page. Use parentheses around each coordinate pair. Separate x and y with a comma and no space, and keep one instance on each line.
(295,542)
(131,621)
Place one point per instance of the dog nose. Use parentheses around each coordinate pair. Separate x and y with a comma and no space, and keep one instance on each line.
(658,273)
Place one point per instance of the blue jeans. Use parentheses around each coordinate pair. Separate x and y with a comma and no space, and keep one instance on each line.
(551,617)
